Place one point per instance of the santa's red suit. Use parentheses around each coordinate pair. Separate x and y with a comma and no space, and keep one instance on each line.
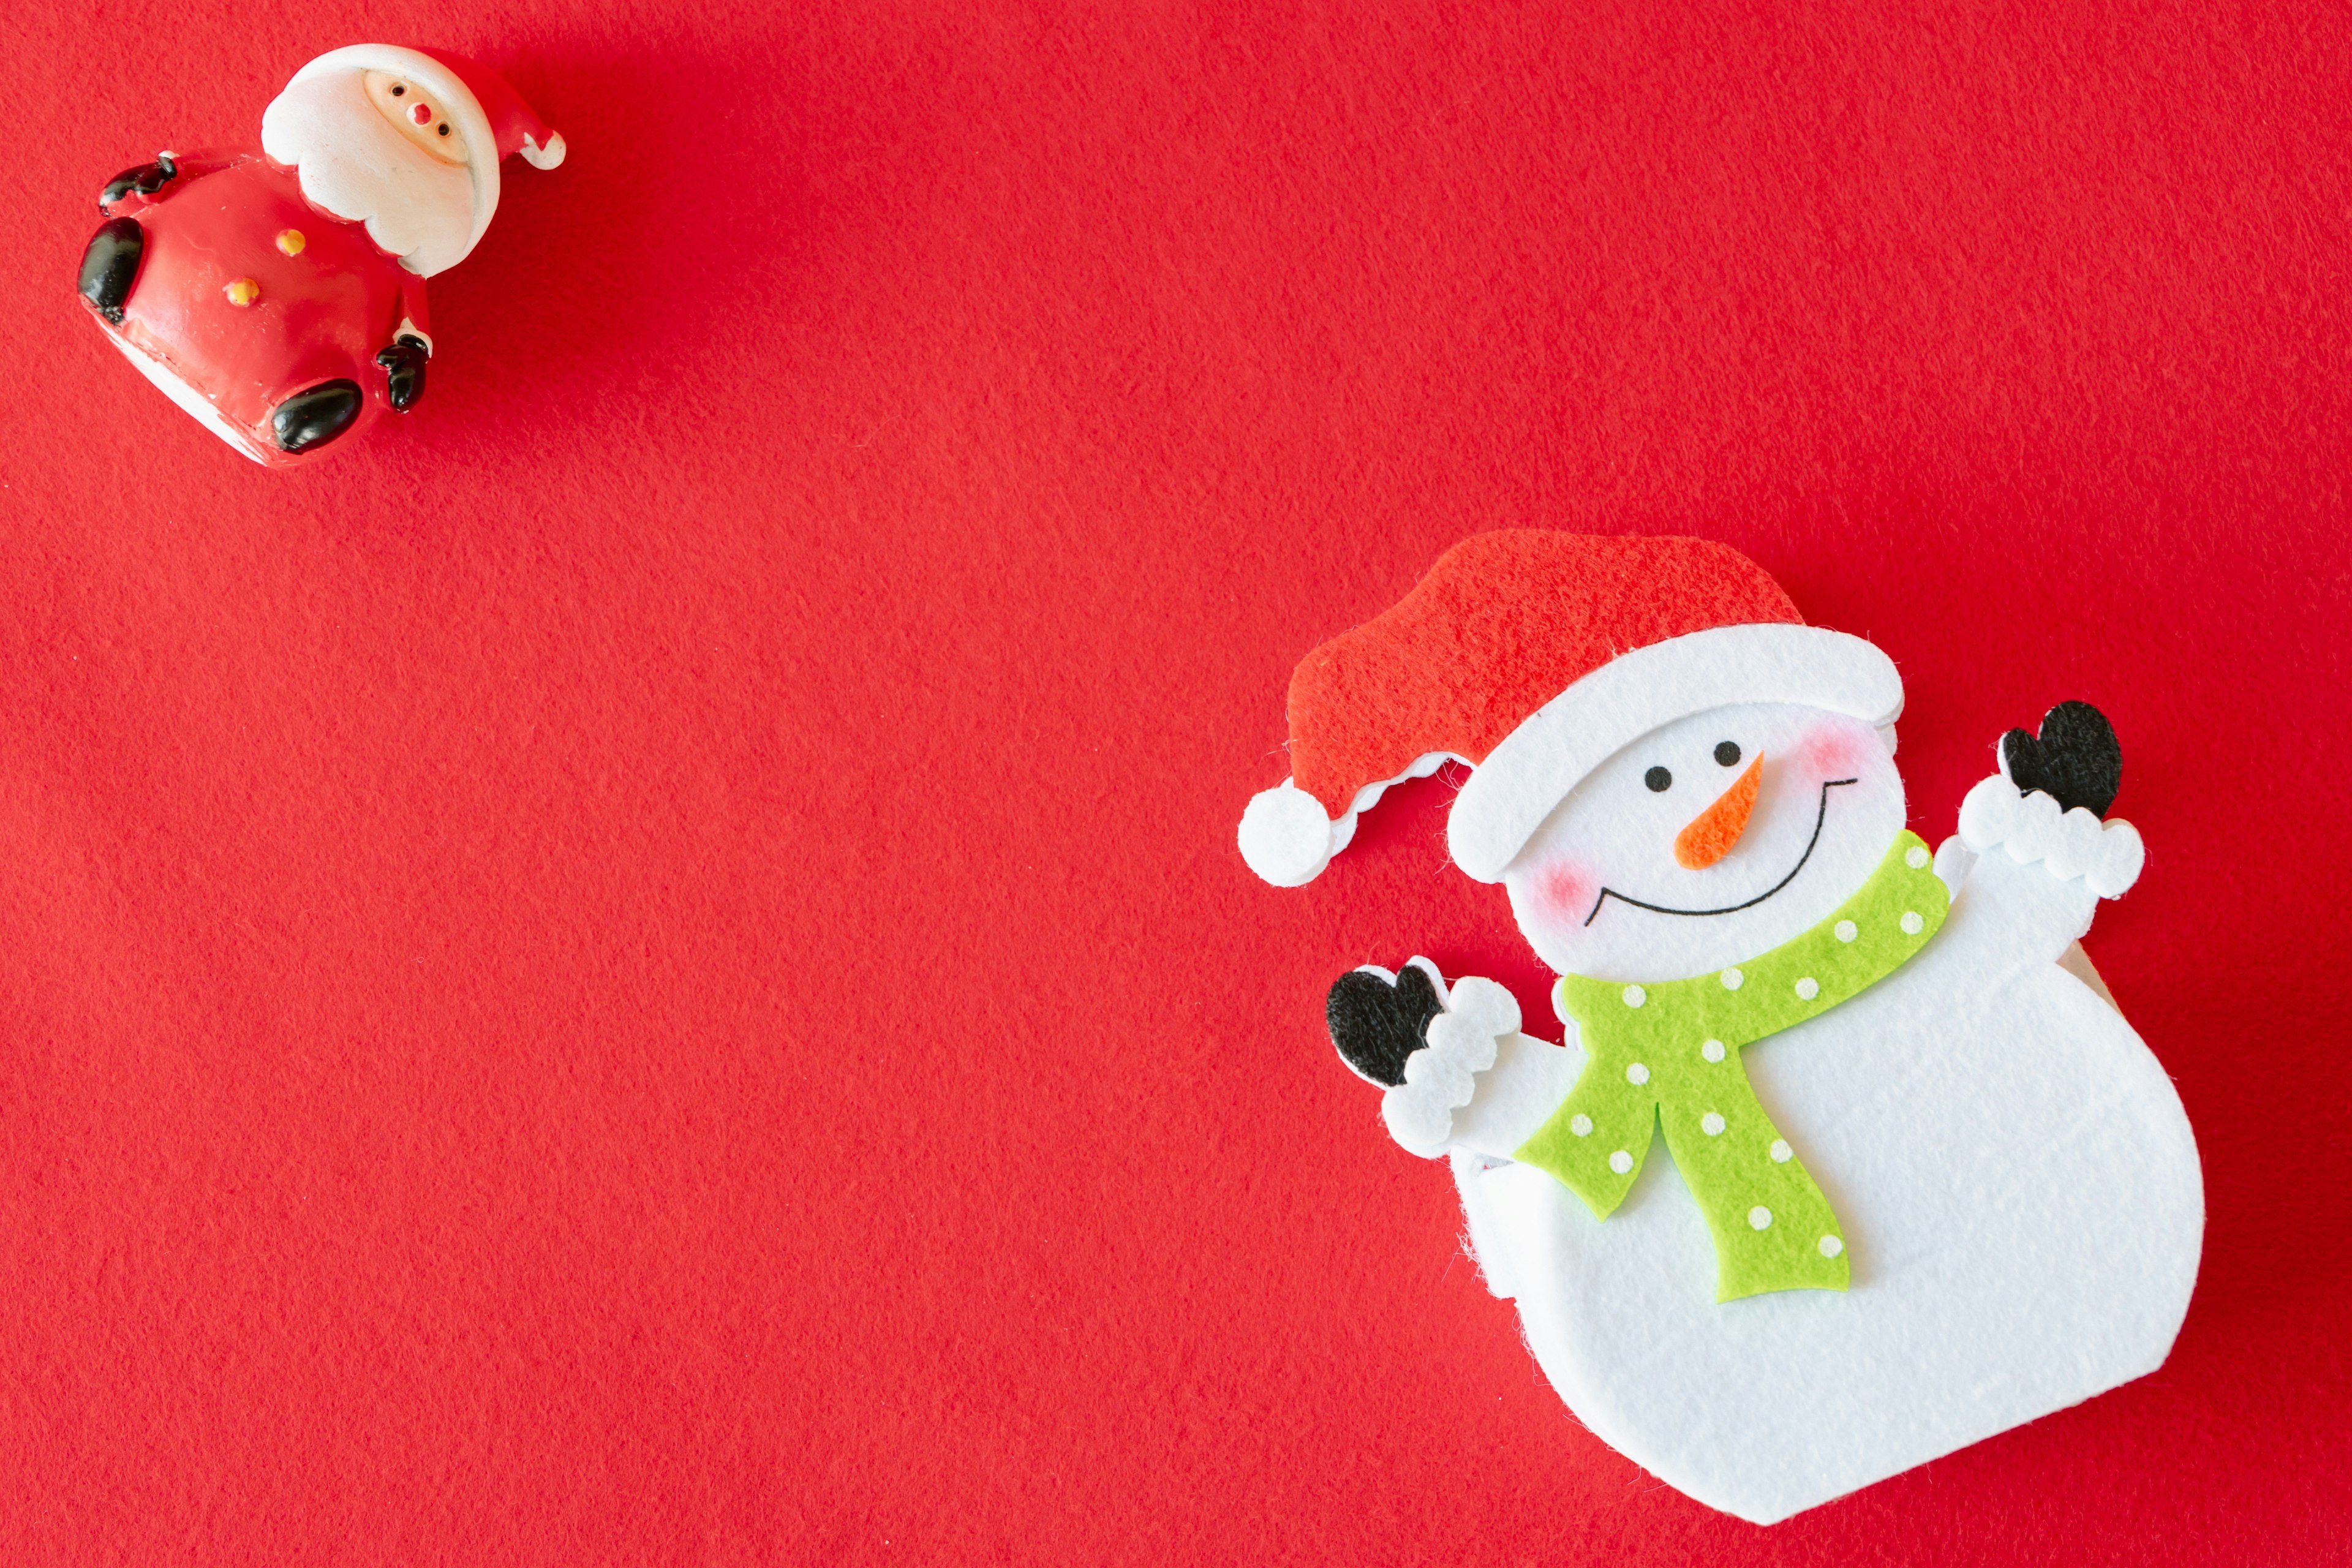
(259,291)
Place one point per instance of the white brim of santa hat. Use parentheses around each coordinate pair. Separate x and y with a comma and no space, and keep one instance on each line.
(1287,839)
(465,112)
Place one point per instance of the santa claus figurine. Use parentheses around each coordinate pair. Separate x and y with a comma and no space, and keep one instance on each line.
(279,298)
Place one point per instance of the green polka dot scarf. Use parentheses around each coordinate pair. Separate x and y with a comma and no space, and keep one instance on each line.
(1667,1055)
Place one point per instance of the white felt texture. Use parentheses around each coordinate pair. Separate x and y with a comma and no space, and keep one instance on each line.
(1484,1241)
(1441,1075)
(2107,855)
(1517,1094)
(1954,861)
(1515,787)
(1284,837)
(1613,831)
(2020,1189)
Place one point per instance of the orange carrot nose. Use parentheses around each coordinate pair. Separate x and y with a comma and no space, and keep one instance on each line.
(1713,832)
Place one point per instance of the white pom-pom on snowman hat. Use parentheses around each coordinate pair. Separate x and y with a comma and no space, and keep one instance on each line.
(1534,657)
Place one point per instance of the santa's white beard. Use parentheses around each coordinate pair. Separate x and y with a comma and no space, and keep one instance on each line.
(357,165)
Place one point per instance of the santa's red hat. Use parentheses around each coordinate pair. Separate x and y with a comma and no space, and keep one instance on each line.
(1534,657)
(489,114)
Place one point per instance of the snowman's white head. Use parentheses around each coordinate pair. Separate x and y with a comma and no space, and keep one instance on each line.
(1707,841)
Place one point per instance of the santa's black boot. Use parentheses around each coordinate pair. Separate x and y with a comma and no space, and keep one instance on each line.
(311,418)
(109,266)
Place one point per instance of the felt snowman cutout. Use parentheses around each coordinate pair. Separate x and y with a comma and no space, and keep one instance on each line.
(1847,1158)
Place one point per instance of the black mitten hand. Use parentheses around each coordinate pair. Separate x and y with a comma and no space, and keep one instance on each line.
(2075,760)
(1378,1022)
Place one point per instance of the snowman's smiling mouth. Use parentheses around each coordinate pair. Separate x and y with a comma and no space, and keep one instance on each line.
(1819,817)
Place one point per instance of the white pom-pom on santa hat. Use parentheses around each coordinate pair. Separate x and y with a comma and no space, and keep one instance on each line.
(1534,657)
(487,112)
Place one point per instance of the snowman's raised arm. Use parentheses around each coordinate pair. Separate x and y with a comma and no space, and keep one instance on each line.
(1457,1072)
(2033,858)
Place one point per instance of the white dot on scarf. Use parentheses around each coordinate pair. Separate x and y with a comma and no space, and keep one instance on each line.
(1731,979)
(1781,1152)
(1621,1161)
(1580,1124)
(1635,996)
(1917,858)
(1912,923)
(1831,1245)
(1808,988)
(1711,1124)
(1760,1218)
(1845,931)
(1711,1050)
(1637,1075)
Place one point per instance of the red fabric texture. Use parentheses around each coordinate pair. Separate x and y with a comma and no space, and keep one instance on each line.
(1503,623)
(650,966)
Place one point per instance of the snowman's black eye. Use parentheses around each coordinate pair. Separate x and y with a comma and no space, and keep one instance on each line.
(1658,779)
(1726,753)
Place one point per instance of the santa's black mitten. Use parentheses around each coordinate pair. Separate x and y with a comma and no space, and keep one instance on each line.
(144,181)
(2076,760)
(403,372)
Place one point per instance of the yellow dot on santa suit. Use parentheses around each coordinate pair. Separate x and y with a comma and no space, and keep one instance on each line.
(1917,858)
(1831,1246)
(1808,988)
(1912,923)
(1636,995)
(1781,1152)
(243,292)
(290,242)
(1711,1050)
(1759,1217)
(1847,931)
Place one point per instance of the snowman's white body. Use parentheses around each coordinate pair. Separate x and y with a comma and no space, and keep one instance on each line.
(2020,1190)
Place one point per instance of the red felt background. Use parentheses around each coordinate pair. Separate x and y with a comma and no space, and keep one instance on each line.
(651,968)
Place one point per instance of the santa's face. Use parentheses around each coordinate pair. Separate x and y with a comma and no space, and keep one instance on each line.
(1708,842)
(362,155)
(415,114)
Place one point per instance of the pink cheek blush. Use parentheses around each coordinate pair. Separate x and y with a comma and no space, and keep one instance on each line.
(1837,752)
(1566,890)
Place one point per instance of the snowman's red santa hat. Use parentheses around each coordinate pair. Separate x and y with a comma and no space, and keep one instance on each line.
(488,113)
(1535,657)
